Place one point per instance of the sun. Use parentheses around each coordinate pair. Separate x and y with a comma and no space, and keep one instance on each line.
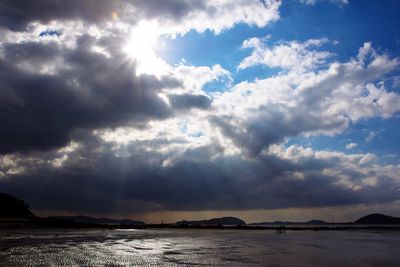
(142,42)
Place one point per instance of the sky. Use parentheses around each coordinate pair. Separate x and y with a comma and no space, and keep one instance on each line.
(178,109)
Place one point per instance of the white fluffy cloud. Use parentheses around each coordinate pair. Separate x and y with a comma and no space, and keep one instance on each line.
(286,55)
(219,15)
(257,114)
(353,171)
(351,145)
(194,78)
(371,136)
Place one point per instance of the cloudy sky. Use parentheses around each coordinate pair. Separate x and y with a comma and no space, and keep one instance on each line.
(182,109)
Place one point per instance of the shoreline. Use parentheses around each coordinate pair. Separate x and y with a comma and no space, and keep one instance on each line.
(66,226)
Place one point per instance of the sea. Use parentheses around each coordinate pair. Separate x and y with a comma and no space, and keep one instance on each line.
(198,247)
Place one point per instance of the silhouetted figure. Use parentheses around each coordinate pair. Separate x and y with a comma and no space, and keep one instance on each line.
(281,230)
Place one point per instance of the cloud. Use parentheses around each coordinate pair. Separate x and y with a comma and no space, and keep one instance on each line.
(350,146)
(184,101)
(172,16)
(286,55)
(323,101)
(368,158)
(16,15)
(50,91)
(41,111)
(135,181)
(195,77)
(68,54)
(296,103)
(215,16)
(372,135)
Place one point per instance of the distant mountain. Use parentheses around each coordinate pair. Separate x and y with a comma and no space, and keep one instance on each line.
(377,218)
(12,207)
(91,220)
(311,222)
(215,221)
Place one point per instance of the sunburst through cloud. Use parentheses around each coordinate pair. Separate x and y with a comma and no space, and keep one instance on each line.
(140,47)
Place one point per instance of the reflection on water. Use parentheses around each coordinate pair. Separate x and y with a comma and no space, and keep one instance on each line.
(198,247)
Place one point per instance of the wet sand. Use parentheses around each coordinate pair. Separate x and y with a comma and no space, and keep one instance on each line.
(183,247)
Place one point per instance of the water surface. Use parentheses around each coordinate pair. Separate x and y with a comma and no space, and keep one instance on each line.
(182,247)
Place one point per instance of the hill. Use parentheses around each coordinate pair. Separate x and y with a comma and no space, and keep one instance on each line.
(215,221)
(12,207)
(311,222)
(377,218)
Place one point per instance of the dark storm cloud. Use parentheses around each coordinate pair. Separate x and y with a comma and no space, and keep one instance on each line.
(85,89)
(186,101)
(271,124)
(41,111)
(138,182)
(37,111)
(29,51)
(15,15)
(171,9)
